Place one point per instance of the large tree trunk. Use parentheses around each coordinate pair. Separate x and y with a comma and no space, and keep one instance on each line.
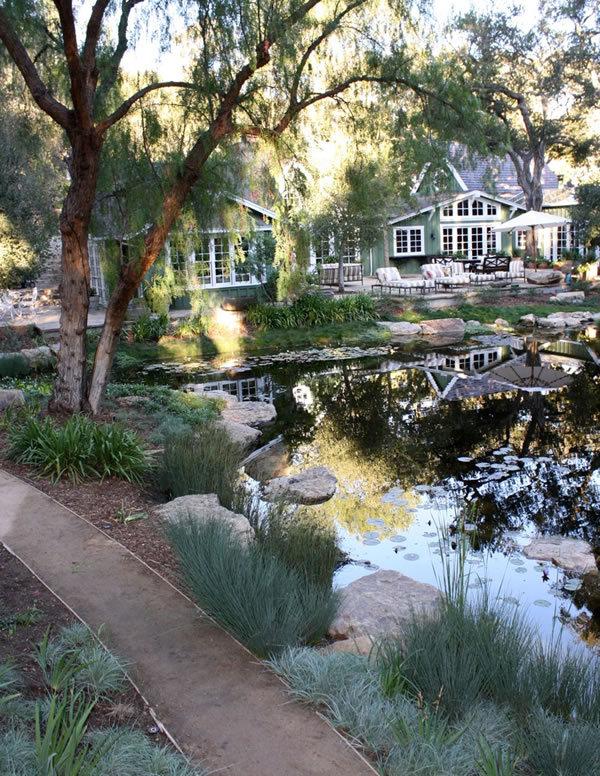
(69,394)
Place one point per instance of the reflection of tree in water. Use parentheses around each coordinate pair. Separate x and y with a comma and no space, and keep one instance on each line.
(394,424)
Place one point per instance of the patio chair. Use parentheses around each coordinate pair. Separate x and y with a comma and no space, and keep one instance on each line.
(516,269)
(451,276)
(7,307)
(28,302)
(389,279)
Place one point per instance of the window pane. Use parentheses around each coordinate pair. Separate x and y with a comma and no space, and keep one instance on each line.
(242,267)
(476,241)
(401,241)
(202,261)
(416,244)
(492,210)
(477,209)
(222,261)
(490,240)
(462,208)
(462,240)
(448,210)
(447,241)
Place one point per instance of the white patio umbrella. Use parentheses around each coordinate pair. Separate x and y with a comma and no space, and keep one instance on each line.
(530,220)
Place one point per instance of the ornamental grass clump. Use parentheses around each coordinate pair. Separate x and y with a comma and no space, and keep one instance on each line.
(201,461)
(313,309)
(78,449)
(249,590)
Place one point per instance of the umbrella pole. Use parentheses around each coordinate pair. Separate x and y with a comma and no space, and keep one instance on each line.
(534,248)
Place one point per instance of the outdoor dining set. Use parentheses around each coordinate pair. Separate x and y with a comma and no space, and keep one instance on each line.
(15,304)
(445,273)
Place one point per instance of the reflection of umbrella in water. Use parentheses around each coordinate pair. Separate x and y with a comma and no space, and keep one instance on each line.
(530,375)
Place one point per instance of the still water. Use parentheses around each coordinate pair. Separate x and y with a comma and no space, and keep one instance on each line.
(430,445)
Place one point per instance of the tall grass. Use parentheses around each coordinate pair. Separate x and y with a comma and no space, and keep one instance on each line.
(201,461)
(298,538)
(249,590)
(77,449)
(313,309)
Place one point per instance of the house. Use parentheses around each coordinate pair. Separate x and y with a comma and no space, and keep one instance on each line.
(226,259)
(480,194)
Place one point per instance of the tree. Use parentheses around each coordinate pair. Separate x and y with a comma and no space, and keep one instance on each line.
(586,214)
(252,76)
(532,84)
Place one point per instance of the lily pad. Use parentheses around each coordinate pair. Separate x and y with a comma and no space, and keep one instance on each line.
(375,521)
(483,465)
(520,570)
(371,534)
(509,599)
(422,488)
(517,562)
(398,539)
(411,556)
(573,585)
(464,459)
(429,534)
(371,542)
(543,603)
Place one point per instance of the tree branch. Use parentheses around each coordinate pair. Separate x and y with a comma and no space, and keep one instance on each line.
(126,106)
(79,93)
(112,70)
(39,91)
(92,34)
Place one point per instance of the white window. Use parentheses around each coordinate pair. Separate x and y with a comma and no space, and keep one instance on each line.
(462,240)
(448,211)
(478,360)
(322,249)
(447,240)
(491,239)
(562,240)
(350,251)
(212,261)
(477,207)
(202,261)
(492,210)
(409,240)
(477,241)
(521,238)
(462,208)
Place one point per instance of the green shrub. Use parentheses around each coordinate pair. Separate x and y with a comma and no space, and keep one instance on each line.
(13,365)
(249,590)
(78,449)
(192,409)
(313,309)
(150,328)
(202,461)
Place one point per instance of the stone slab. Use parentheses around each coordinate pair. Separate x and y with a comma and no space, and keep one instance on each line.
(240,433)
(202,507)
(443,327)
(381,603)
(251,413)
(313,486)
(568,553)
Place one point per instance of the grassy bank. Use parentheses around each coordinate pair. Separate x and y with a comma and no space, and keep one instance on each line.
(487,313)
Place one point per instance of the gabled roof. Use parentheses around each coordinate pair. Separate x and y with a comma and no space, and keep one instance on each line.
(425,204)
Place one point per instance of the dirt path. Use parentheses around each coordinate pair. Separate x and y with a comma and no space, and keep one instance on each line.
(221,706)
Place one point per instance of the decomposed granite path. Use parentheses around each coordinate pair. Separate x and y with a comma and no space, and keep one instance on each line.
(221,706)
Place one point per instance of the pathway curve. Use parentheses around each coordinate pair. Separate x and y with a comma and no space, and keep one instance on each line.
(214,698)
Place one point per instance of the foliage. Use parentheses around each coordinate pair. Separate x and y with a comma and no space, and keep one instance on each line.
(302,541)
(202,461)
(150,328)
(163,403)
(312,309)
(19,261)
(249,590)
(13,365)
(161,289)
(78,449)
(586,214)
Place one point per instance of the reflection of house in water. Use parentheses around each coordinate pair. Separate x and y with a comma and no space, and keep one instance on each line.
(245,389)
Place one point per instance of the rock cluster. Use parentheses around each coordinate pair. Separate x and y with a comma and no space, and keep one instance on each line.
(561,320)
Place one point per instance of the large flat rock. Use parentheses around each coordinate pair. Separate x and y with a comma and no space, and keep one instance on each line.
(381,603)
(313,486)
(202,507)
(568,553)
(401,328)
(544,277)
(443,327)
(240,433)
(251,413)
(11,397)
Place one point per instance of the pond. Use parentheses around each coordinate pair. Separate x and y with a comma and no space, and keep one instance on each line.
(428,446)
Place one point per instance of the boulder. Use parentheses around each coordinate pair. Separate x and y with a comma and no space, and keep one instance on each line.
(402,328)
(570,297)
(39,358)
(203,507)
(581,316)
(251,413)
(552,323)
(313,486)
(274,461)
(528,320)
(501,323)
(544,277)
(240,433)
(443,327)
(230,401)
(568,553)
(362,645)
(380,603)
(10,397)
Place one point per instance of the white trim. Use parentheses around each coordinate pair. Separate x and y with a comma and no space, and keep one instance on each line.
(397,219)
(420,229)
(419,180)
(457,176)
(253,206)
(469,227)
